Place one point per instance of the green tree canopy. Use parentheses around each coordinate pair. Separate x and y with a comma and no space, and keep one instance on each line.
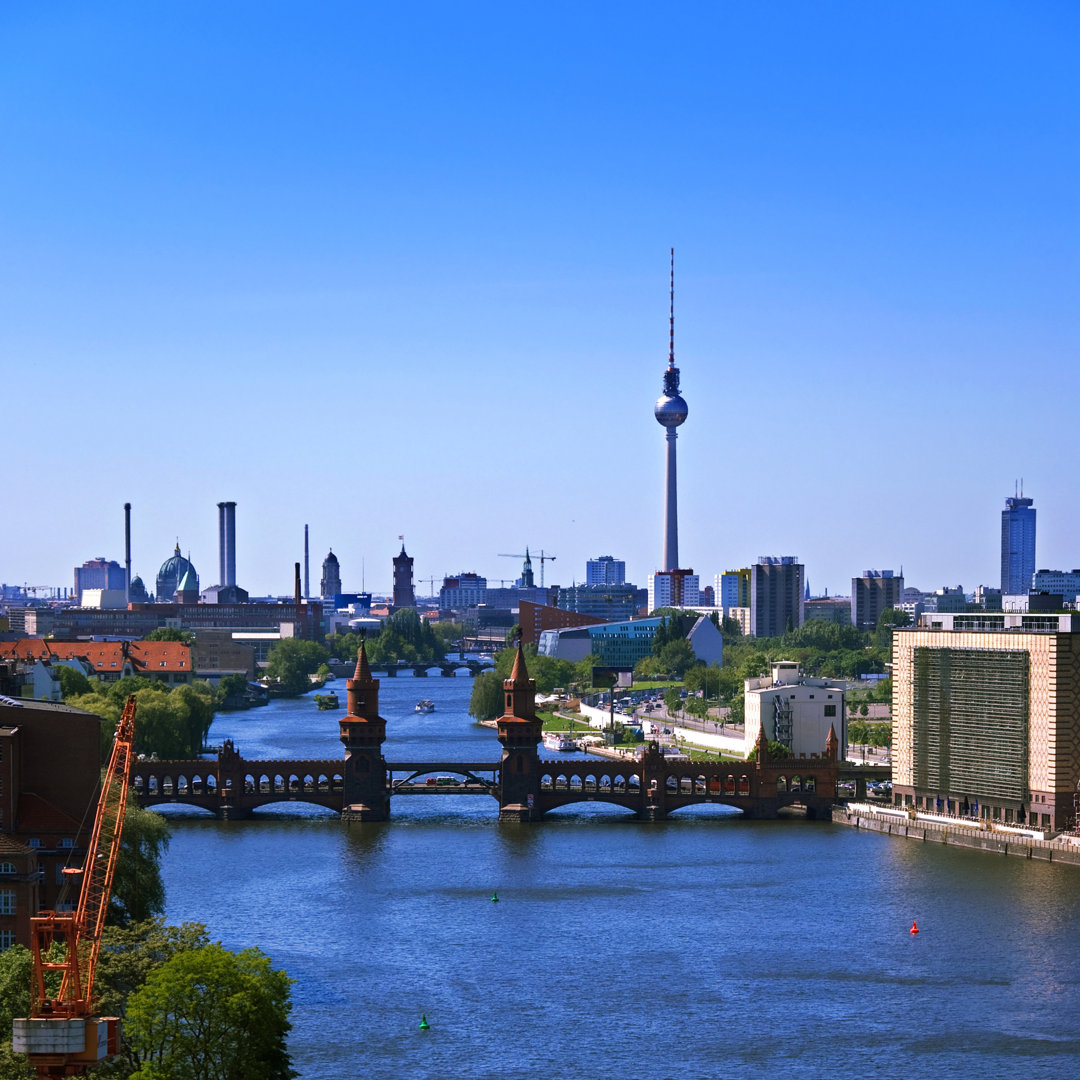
(676,658)
(73,682)
(210,1014)
(138,892)
(292,662)
(168,633)
(486,700)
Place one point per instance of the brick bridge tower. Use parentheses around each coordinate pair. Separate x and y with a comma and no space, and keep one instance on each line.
(363,731)
(519,733)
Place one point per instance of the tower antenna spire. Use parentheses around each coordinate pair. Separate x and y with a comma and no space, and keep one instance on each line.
(671,316)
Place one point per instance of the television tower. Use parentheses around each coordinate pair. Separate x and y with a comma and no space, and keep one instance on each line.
(671,411)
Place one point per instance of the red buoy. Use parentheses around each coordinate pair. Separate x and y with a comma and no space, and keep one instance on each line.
(914,927)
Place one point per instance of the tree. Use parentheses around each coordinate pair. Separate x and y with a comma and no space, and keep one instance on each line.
(291,663)
(128,955)
(210,1014)
(673,700)
(677,657)
(138,892)
(231,690)
(72,681)
(486,700)
(168,633)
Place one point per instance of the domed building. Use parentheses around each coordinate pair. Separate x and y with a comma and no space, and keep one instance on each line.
(330,586)
(172,572)
(137,594)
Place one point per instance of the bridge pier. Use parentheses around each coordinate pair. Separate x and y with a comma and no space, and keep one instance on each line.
(447,672)
(652,813)
(233,813)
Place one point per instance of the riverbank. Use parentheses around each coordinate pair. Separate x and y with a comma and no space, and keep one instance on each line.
(896,823)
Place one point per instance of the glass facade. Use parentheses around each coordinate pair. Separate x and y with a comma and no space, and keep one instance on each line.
(1017,546)
(970,720)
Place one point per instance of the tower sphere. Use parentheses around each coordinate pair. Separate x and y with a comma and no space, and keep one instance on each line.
(670,410)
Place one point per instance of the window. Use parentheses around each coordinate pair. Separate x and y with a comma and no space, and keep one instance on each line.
(67,842)
(7,868)
(7,901)
(33,842)
(7,939)
(830,710)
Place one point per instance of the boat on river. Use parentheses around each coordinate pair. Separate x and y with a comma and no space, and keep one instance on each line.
(556,740)
(425,706)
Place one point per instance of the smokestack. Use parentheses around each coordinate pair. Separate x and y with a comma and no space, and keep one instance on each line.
(227,543)
(296,589)
(307,574)
(221,542)
(127,554)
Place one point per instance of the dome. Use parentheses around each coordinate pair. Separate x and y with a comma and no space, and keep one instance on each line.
(332,558)
(671,410)
(172,572)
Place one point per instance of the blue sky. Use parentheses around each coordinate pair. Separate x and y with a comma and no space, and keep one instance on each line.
(402,269)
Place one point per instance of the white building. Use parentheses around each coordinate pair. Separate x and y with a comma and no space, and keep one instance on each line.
(605,570)
(673,588)
(794,710)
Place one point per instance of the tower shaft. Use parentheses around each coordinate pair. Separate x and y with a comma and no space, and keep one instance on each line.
(671,506)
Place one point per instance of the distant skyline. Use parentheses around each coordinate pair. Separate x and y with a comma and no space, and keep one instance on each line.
(404,271)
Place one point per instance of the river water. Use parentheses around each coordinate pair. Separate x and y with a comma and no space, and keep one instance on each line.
(699,947)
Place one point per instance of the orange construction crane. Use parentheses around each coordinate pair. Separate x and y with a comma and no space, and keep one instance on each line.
(61,1036)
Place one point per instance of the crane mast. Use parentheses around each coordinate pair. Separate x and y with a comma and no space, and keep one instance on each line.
(60,1036)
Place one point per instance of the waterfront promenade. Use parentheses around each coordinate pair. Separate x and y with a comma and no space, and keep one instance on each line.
(928,828)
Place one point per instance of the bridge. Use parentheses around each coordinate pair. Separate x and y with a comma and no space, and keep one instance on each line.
(361,786)
(446,668)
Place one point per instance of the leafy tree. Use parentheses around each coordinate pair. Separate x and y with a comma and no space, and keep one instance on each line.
(513,635)
(405,636)
(138,892)
(889,619)
(292,662)
(168,633)
(486,700)
(73,682)
(583,670)
(673,700)
(209,1014)
(230,688)
(677,657)
(648,667)
(864,710)
(128,955)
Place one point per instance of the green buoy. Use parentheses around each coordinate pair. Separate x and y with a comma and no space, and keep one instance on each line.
(424,1025)
(494,897)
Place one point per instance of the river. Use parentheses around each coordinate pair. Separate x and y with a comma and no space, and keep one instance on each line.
(700,947)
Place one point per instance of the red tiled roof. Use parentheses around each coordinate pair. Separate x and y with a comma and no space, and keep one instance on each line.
(157,656)
(24,649)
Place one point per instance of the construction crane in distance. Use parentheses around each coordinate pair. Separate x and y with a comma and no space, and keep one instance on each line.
(543,556)
(61,1036)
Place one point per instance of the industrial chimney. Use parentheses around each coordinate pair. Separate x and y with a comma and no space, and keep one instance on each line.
(227,543)
(307,567)
(127,554)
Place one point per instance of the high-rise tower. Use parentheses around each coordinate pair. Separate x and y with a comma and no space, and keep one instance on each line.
(671,411)
(404,596)
(1017,545)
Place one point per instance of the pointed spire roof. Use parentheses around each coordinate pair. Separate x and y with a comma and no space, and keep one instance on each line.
(520,675)
(363,671)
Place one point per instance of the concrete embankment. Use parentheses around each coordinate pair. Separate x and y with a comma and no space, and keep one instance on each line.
(932,832)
